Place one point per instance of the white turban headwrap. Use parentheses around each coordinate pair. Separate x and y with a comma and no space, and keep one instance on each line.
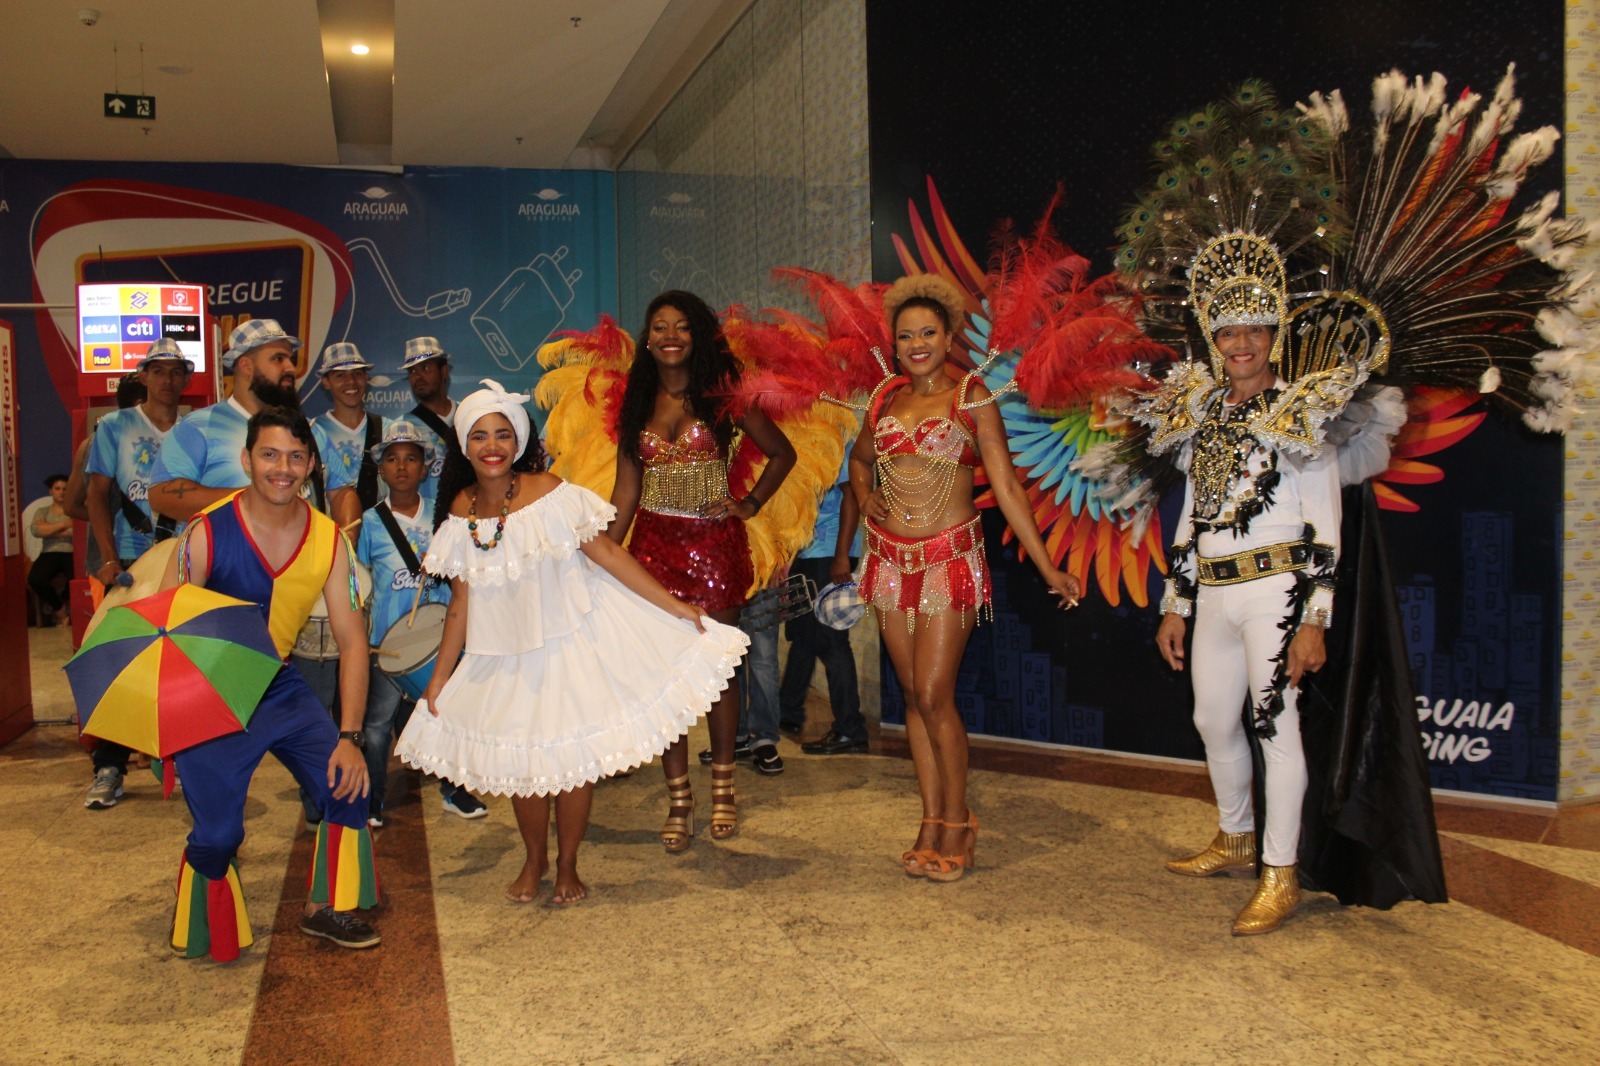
(489,400)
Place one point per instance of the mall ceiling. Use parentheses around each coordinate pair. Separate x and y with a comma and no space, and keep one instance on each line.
(505,83)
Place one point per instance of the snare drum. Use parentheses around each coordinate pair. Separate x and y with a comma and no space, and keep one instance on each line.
(315,641)
(406,653)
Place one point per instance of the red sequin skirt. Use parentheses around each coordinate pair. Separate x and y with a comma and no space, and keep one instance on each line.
(925,575)
(702,561)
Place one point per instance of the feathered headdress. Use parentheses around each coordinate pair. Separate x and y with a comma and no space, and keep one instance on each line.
(1246,187)
(1475,298)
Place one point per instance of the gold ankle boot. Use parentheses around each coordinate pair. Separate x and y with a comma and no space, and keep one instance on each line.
(1276,897)
(1228,849)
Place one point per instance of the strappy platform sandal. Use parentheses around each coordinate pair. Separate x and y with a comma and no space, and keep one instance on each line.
(678,833)
(947,868)
(914,860)
(724,813)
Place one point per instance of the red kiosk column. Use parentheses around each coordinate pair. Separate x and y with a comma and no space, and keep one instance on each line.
(16,681)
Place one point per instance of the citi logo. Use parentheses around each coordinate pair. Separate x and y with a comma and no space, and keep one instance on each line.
(141,327)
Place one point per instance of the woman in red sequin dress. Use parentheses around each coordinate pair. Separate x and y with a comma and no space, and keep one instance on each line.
(912,472)
(673,446)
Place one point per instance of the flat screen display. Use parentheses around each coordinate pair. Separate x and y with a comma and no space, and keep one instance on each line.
(118,322)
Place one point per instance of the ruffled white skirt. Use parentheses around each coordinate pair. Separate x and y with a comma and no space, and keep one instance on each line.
(608,695)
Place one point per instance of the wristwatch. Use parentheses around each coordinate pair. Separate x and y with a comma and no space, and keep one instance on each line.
(355,736)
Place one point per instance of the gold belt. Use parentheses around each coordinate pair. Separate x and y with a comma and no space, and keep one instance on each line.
(1257,562)
(682,488)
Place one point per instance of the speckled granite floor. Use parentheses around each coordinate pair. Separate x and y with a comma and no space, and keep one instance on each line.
(797,941)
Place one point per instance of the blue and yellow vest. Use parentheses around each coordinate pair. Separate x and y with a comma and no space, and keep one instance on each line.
(239,570)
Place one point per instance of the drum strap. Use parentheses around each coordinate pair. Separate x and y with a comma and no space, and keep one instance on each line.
(401,544)
(164,527)
(437,424)
(367,481)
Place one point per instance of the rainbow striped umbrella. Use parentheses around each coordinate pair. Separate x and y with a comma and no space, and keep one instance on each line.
(173,670)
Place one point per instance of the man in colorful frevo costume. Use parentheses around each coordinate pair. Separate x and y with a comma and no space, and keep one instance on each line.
(1253,555)
(266,545)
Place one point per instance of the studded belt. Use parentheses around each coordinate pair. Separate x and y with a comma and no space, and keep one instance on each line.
(1249,565)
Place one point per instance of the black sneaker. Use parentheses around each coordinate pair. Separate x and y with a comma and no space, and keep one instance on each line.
(341,927)
(765,759)
(465,804)
(834,744)
(741,750)
(794,728)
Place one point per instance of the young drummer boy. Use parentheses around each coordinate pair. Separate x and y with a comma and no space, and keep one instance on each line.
(395,534)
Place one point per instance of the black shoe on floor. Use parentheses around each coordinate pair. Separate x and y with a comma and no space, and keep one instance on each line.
(834,744)
(341,927)
(741,750)
(764,759)
(795,728)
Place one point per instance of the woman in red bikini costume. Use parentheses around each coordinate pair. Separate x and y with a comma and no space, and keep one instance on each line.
(673,445)
(911,471)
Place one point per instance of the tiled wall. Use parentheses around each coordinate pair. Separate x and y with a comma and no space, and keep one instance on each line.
(760,161)
(1580,650)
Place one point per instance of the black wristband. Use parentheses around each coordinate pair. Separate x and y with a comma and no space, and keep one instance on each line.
(753,502)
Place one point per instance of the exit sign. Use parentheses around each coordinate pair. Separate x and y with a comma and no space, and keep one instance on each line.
(126,105)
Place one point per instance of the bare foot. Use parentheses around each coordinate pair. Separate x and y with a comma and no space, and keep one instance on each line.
(526,886)
(568,889)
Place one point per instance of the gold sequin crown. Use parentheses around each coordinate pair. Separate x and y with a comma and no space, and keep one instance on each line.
(1238,279)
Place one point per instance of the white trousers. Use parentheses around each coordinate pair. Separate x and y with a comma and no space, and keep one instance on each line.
(1236,635)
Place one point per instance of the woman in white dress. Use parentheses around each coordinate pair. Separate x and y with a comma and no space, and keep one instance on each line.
(577,662)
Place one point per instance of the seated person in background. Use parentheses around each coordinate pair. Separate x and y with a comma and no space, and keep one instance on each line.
(53,526)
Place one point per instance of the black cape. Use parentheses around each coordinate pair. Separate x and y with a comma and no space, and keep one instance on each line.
(1367,830)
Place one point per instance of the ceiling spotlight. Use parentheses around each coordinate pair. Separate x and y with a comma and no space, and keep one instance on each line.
(360,49)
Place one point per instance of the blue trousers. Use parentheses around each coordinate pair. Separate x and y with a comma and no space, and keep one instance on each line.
(758,687)
(809,642)
(291,724)
(382,722)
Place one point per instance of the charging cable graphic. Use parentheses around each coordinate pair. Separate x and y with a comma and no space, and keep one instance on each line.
(446,302)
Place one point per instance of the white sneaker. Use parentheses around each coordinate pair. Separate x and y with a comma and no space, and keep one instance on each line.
(106,790)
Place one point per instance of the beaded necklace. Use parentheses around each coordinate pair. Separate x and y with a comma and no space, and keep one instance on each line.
(917,494)
(500,522)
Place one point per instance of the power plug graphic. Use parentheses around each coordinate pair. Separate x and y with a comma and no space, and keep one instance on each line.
(526,308)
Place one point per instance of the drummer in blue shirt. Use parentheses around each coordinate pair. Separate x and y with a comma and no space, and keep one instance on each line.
(395,535)
(201,460)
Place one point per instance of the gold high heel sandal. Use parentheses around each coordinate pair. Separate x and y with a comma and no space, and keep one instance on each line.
(724,814)
(914,859)
(947,868)
(679,830)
